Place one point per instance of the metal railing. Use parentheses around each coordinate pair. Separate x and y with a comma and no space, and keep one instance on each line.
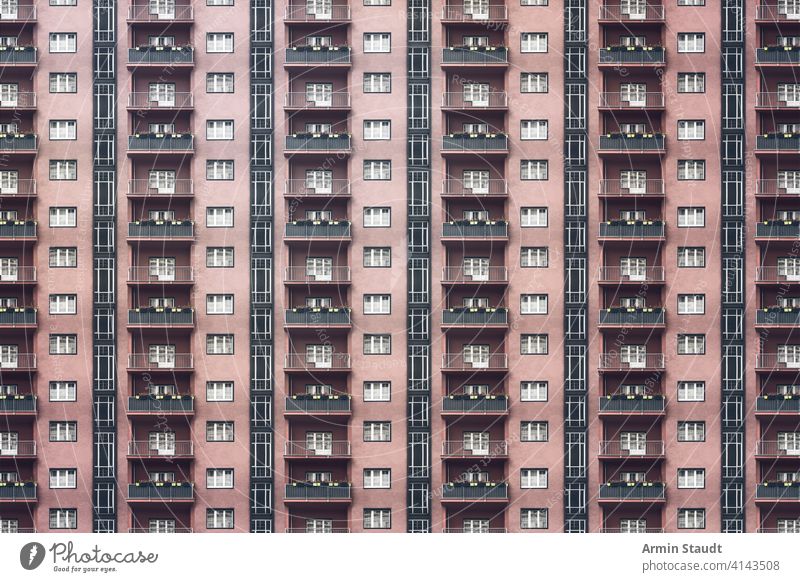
(300,100)
(777,317)
(480,143)
(635,492)
(303,449)
(17,491)
(462,449)
(774,100)
(616,101)
(146,101)
(487,275)
(20,229)
(627,56)
(166,230)
(22,100)
(145,13)
(323,56)
(166,492)
(632,405)
(148,362)
(778,404)
(185,317)
(18,12)
(22,403)
(333,12)
(778,142)
(774,188)
(336,361)
(320,231)
(300,188)
(778,491)
(650,187)
(776,449)
(614,361)
(776,12)
(159,405)
(624,450)
(19,449)
(152,450)
(491,187)
(472,491)
(474,56)
(18,275)
(637,317)
(180,187)
(19,362)
(461,530)
(631,231)
(627,13)
(619,142)
(14,318)
(489,13)
(301,274)
(322,143)
(177,274)
(320,492)
(479,405)
(166,143)
(498,230)
(777,55)
(19,56)
(152,56)
(18,144)
(460,362)
(317,405)
(302,530)
(24,187)
(777,362)
(318,318)
(489,100)
(145,530)
(461,317)
(637,531)
(635,275)
(778,230)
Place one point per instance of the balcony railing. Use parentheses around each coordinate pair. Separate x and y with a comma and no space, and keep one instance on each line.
(307,229)
(20,362)
(18,143)
(18,449)
(18,404)
(621,449)
(314,56)
(649,100)
(318,317)
(632,491)
(497,229)
(655,404)
(317,404)
(475,56)
(161,143)
(462,404)
(777,449)
(146,13)
(469,363)
(778,491)
(631,316)
(487,188)
(23,491)
(305,530)
(156,450)
(302,188)
(644,12)
(318,491)
(461,530)
(776,188)
(631,275)
(475,492)
(650,187)
(179,187)
(788,142)
(776,101)
(18,13)
(18,275)
(19,188)
(778,316)
(148,101)
(161,491)
(777,362)
(177,274)
(304,449)
(777,12)
(624,55)
(493,100)
(161,56)
(306,362)
(462,449)
(474,317)
(778,55)
(475,143)
(632,143)
(778,229)
(632,230)
(19,55)
(485,275)
(481,14)
(326,13)
(21,100)
(778,403)
(17,317)
(149,362)
(614,361)
(328,143)
(618,530)
(156,317)
(302,274)
(160,405)
(12,229)
(146,530)
(161,229)
(335,100)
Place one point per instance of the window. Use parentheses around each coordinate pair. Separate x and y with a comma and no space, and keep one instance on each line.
(63,391)
(63,217)
(219,129)
(219,42)
(377,518)
(691,391)
(691,519)
(219,391)
(219,304)
(219,431)
(377,304)
(63,2)
(533,431)
(377,391)
(377,129)
(63,344)
(63,170)
(375,431)
(63,304)
(377,344)
(377,217)
(691,82)
(377,478)
(691,217)
(63,519)
(691,129)
(377,82)
(533,344)
(533,129)
(377,170)
(533,304)
(533,391)
(63,82)
(219,478)
(691,304)
(63,42)
(63,257)
(377,257)
(690,431)
(219,83)
(219,217)
(533,518)
(533,170)
(691,42)
(691,257)
(533,42)
(691,170)
(377,2)
(533,257)
(219,344)
(533,478)
(63,431)
(534,2)
(63,129)
(219,2)
(377,42)
(219,257)
(533,83)
(63,478)
(691,344)
(219,170)
(691,478)
(533,217)
(219,518)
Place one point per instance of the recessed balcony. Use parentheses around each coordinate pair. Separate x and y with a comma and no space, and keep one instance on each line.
(773,231)
(611,101)
(631,405)
(317,56)
(474,275)
(318,317)
(167,102)
(161,56)
(146,530)
(18,189)
(155,363)
(777,404)
(469,404)
(160,143)
(155,405)
(19,144)
(777,12)
(632,492)
(321,12)
(632,13)
(778,144)
(17,317)
(778,317)
(180,188)
(317,230)
(631,188)
(18,405)
(634,317)
(178,275)
(628,450)
(166,13)
(491,188)
(14,276)
(336,188)
(461,530)
(777,449)
(475,143)
(311,363)
(318,405)
(21,100)
(475,317)
(307,530)
(777,491)
(777,102)
(168,317)
(647,530)
(472,492)
(777,188)
(18,13)
(632,56)
(458,231)
(160,492)
(474,14)
(318,144)
(631,275)
(471,450)
(22,230)
(157,449)
(494,100)
(18,492)
(19,56)
(472,56)
(460,362)
(329,450)
(303,275)
(304,492)
(18,450)
(298,101)
(637,144)
(778,56)
(614,362)
(156,230)
(632,230)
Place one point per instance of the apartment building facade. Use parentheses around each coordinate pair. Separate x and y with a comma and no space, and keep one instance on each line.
(462,266)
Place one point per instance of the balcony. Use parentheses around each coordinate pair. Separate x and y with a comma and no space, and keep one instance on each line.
(631,450)
(467,404)
(179,188)
(471,450)
(155,363)
(19,56)
(468,363)
(461,530)
(475,143)
(160,450)
(632,230)
(623,405)
(777,450)
(630,56)
(468,102)
(474,317)
(18,101)
(304,450)
(18,404)
(160,143)
(154,276)
(324,13)
(304,530)
(18,450)
(647,530)
(308,363)
(337,188)
(147,101)
(318,144)
(17,317)
(161,317)
(161,56)
(644,13)
(297,101)
(776,188)
(304,276)
(778,491)
(471,56)
(631,102)
(18,13)
(776,101)
(772,231)
(778,317)
(459,231)
(24,230)
(778,144)
(18,276)
(614,317)
(491,188)
(474,276)
(317,317)
(317,230)
(475,492)
(318,405)
(778,56)
(614,362)
(16,492)
(317,56)
(632,144)
(160,492)
(142,230)
(163,14)
(146,530)
(19,189)
(634,189)
(488,14)
(148,405)
(630,275)
(769,12)
(23,144)
(771,404)
(636,492)
(318,492)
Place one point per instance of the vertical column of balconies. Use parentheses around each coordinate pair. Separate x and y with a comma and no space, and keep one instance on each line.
(474,320)
(631,233)
(576,146)
(777,236)
(104,389)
